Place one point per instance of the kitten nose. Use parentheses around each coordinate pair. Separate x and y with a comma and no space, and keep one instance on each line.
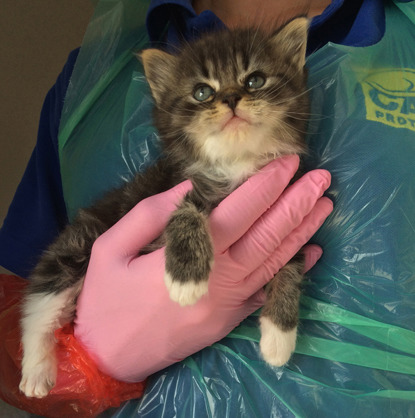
(232,100)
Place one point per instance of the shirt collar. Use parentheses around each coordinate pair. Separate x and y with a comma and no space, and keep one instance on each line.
(349,22)
(171,21)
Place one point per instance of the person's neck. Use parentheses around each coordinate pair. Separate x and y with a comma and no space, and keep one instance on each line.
(263,13)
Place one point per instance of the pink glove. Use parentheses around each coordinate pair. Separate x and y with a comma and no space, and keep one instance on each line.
(125,318)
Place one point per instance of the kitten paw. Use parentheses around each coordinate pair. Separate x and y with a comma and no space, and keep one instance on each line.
(187,293)
(276,345)
(38,379)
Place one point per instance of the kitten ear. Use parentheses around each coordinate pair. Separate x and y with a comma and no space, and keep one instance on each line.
(292,40)
(158,70)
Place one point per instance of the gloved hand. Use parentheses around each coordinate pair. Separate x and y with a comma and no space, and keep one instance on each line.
(125,318)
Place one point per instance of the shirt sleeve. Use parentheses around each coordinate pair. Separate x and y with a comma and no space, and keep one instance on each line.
(37,212)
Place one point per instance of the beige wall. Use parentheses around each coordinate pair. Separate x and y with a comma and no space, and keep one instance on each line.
(36,37)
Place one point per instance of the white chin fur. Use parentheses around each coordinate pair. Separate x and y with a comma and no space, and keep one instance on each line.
(276,345)
(185,293)
(236,154)
(247,140)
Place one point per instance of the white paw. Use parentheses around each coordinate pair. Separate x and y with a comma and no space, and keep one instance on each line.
(38,379)
(185,293)
(276,345)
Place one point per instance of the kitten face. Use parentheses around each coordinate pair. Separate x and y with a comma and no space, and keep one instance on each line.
(235,99)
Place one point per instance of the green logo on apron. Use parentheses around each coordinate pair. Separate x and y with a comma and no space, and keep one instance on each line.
(390,97)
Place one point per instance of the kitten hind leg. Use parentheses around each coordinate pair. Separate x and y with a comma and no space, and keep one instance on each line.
(189,254)
(43,313)
(279,317)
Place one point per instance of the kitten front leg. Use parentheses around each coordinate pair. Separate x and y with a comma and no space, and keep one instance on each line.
(189,254)
(279,317)
(43,313)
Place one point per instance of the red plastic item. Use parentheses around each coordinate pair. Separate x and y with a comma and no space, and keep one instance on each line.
(81,389)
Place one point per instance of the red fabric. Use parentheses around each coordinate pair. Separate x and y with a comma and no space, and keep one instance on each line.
(81,389)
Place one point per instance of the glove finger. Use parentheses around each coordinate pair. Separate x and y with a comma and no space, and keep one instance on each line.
(312,254)
(236,214)
(257,300)
(280,220)
(144,223)
(290,246)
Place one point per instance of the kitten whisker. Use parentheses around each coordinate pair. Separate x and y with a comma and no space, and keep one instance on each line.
(188,114)
(306,116)
(290,98)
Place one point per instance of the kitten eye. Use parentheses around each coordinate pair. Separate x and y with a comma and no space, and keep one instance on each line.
(255,81)
(203,92)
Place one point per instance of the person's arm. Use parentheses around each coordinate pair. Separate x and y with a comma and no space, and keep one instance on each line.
(38,213)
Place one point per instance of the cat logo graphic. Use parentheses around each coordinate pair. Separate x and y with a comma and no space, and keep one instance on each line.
(390,97)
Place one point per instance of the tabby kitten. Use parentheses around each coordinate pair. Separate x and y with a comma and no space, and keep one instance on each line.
(225,106)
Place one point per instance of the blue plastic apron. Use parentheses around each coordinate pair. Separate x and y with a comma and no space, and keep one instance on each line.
(355,354)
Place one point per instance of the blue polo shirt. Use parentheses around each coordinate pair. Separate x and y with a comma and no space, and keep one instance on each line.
(37,213)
